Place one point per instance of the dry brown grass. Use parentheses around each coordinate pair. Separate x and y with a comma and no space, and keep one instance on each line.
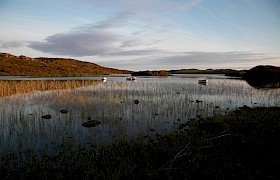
(8,88)
(43,66)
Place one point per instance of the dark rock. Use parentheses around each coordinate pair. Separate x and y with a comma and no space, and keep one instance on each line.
(46,117)
(245,107)
(181,126)
(198,101)
(91,123)
(136,101)
(63,111)
(217,106)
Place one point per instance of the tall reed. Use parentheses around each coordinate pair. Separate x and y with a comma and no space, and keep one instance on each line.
(164,106)
(8,88)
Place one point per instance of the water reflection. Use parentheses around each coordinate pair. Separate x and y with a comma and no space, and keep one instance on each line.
(164,105)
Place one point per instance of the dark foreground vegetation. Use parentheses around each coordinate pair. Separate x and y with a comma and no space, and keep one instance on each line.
(242,145)
(42,66)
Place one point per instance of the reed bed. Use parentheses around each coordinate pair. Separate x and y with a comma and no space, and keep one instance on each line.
(164,107)
(8,88)
(241,145)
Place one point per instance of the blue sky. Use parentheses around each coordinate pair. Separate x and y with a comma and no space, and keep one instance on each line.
(145,34)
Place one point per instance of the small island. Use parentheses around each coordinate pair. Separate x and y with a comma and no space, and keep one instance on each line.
(151,73)
(263,76)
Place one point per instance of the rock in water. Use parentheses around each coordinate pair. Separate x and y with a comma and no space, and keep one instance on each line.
(63,111)
(91,123)
(46,117)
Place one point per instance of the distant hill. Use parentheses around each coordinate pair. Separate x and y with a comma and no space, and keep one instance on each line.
(227,72)
(43,66)
(150,73)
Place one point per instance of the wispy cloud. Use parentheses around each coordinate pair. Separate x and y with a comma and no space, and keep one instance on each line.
(117,20)
(145,6)
(217,59)
(199,60)
(101,38)
(78,43)
(11,44)
(89,40)
(95,39)
(144,52)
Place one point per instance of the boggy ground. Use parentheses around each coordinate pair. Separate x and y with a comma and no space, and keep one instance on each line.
(242,145)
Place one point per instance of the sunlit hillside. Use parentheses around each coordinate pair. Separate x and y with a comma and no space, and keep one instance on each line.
(22,65)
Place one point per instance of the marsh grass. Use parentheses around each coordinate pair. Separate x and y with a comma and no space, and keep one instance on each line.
(157,137)
(8,88)
(241,145)
(164,107)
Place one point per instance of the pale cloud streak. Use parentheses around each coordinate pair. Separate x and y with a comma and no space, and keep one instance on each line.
(77,43)
(165,60)
(101,38)
(119,19)
(141,6)
(95,39)
(12,44)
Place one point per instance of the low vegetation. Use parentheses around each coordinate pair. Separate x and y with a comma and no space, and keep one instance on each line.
(264,76)
(42,66)
(150,73)
(227,72)
(241,145)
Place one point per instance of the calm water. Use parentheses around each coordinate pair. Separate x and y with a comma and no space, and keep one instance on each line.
(165,105)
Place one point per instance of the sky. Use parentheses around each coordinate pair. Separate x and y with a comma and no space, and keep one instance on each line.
(145,34)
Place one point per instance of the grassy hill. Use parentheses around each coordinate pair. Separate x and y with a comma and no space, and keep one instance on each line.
(264,76)
(42,66)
